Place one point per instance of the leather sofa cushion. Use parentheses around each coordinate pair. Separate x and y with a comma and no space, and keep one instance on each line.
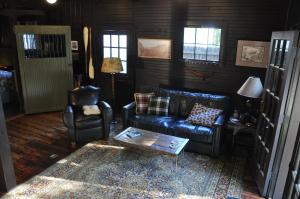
(159,124)
(188,100)
(181,128)
(86,121)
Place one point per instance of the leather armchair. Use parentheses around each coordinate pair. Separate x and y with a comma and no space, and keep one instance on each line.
(84,128)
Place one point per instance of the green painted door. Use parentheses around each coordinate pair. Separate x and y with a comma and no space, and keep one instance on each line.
(45,65)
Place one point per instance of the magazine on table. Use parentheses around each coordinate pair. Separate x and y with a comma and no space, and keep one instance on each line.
(133,134)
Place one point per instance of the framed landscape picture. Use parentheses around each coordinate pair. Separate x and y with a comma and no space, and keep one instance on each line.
(154,48)
(252,53)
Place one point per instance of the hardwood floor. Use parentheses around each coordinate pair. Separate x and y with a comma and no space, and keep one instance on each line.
(34,138)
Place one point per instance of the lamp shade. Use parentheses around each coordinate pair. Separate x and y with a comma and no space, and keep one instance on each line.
(252,88)
(111,65)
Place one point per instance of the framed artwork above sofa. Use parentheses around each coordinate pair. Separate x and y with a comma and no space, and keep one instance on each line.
(252,53)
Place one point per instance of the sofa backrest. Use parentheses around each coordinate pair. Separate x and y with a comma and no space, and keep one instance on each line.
(181,103)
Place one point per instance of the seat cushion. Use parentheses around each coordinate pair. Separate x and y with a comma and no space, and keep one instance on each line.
(159,106)
(160,124)
(142,102)
(86,121)
(203,116)
(174,99)
(182,128)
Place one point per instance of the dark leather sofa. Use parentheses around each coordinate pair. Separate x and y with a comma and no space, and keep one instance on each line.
(83,128)
(202,139)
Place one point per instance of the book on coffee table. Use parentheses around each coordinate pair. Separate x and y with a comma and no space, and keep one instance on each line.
(133,134)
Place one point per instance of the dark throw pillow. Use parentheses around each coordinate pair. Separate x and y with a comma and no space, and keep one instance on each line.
(142,101)
(203,116)
(159,106)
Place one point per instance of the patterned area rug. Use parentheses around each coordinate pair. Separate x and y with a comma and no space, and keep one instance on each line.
(105,170)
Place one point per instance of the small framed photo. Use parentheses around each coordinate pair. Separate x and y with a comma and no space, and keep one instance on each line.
(74,45)
(252,53)
(154,48)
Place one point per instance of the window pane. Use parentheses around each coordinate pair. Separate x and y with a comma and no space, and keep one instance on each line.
(114,52)
(189,35)
(202,36)
(106,52)
(188,51)
(124,64)
(29,41)
(213,53)
(116,46)
(203,45)
(123,41)
(115,41)
(214,36)
(123,54)
(200,53)
(106,40)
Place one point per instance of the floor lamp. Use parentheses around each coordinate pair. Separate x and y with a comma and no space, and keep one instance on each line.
(112,66)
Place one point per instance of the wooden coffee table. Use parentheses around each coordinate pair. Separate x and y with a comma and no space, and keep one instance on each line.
(152,141)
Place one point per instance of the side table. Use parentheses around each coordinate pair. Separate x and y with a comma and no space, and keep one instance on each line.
(236,127)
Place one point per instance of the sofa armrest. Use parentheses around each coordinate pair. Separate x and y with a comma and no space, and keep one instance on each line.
(220,120)
(218,127)
(68,119)
(107,115)
(128,111)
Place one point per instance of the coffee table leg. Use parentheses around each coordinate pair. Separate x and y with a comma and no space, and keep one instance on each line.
(176,162)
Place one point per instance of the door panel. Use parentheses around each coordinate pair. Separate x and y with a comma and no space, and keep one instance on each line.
(287,135)
(292,186)
(277,85)
(45,66)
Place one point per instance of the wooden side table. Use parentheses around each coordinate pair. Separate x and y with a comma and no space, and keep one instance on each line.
(238,128)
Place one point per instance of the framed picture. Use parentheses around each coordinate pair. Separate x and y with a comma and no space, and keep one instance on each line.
(154,48)
(252,53)
(74,45)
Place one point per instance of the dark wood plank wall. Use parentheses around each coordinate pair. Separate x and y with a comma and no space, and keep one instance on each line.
(247,19)
(293,16)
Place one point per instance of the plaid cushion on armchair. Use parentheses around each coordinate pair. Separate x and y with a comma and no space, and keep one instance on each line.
(142,102)
(159,106)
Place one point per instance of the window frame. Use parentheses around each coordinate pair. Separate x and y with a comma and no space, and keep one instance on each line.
(119,33)
(205,24)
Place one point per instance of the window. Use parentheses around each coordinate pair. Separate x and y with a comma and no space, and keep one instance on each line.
(44,45)
(115,45)
(202,44)
(29,41)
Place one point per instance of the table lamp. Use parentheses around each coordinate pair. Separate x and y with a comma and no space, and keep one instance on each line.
(112,65)
(252,89)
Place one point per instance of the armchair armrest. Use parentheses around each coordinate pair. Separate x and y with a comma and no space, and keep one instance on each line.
(68,119)
(128,111)
(107,113)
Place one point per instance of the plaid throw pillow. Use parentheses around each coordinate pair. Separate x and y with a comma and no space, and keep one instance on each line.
(203,116)
(159,106)
(142,102)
